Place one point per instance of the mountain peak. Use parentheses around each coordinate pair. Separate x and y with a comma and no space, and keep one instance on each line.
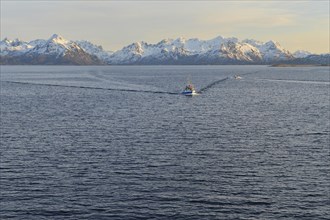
(253,42)
(58,39)
(6,40)
(218,38)
(54,36)
(165,41)
(181,40)
(301,54)
(273,43)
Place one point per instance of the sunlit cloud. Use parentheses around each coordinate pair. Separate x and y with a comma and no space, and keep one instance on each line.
(252,18)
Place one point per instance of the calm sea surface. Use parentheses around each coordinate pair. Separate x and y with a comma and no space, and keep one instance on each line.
(119,142)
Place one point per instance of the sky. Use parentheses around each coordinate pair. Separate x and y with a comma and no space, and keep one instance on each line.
(296,25)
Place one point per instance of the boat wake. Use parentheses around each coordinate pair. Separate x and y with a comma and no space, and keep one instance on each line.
(116,82)
(99,88)
(136,89)
(204,89)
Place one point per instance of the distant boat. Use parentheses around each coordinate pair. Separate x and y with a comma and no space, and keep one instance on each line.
(237,77)
(189,90)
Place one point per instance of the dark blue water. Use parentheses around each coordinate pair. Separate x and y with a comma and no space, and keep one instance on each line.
(120,143)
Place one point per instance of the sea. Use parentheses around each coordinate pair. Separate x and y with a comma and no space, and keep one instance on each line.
(121,142)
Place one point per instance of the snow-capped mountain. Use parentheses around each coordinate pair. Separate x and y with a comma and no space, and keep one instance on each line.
(55,45)
(55,50)
(219,50)
(301,54)
(13,47)
(95,50)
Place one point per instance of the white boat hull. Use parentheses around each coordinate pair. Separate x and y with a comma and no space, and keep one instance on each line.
(189,93)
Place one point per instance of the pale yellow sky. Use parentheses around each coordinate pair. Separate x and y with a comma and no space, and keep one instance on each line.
(113,24)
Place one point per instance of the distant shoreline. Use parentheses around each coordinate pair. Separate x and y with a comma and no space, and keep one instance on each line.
(298,65)
(272,65)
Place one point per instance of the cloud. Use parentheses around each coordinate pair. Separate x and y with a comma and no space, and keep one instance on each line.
(114,24)
(250,18)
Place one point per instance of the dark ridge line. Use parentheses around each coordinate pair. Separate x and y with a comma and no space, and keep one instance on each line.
(212,84)
(99,88)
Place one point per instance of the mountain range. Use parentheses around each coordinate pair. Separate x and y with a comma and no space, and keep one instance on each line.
(59,51)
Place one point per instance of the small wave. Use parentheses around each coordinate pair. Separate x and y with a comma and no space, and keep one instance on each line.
(210,202)
(257,203)
(307,134)
(223,203)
